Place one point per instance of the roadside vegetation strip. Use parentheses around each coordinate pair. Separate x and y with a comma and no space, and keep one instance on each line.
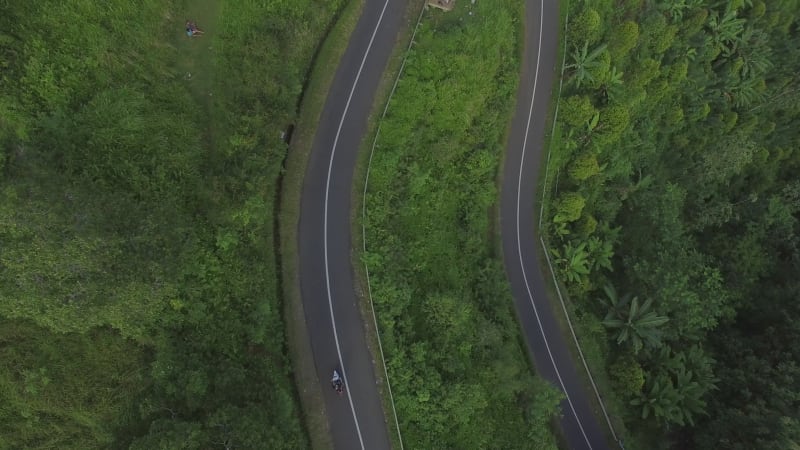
(314,95)
(363,226)
(146,196)
(457,384)
(671,173)
(544,245)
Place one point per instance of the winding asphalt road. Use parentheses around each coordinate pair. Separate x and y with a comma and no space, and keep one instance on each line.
(326,275)
(524,154)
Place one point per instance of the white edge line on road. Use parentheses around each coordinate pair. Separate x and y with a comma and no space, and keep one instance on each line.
(364,222)
(519,245)
(325,225)
(547,251)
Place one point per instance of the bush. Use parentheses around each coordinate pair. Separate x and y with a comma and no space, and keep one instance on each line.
(569,207)
(586,26)
(584,166)
(576,110)
(623,39)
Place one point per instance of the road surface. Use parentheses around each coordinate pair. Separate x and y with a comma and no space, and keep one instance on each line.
(518,226)
(326,277)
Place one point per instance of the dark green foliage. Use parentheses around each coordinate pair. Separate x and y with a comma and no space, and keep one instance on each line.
(696,165)
(137,207)
(458,371)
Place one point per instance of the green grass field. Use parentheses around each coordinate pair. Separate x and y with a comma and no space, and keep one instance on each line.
(196,55)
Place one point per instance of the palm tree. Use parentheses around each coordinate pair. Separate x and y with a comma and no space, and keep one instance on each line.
(612,87)
(602,252)
(755,53)
(574,262)
(584,63)
(726,31)
(660,399)
(674,392)
(633,322)
(675,8)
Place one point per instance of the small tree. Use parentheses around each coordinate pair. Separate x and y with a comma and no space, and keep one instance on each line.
(584,166)
(623,40)
(586,25)
(576,110)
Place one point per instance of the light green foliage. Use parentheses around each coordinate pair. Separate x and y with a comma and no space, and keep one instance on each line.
(627,375)
(614,121)
(586,26)
(576,111)
(646,70)
(584,166)
(459,375)
(570,206)
(728,158)
(587,225)
(623,40)
(657,34)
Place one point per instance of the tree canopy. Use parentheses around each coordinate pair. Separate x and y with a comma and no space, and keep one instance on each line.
(679,131)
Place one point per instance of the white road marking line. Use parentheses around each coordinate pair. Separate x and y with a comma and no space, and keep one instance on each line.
(325,226)
(519,245)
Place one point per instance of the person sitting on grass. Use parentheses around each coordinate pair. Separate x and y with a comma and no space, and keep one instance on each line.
(192,30)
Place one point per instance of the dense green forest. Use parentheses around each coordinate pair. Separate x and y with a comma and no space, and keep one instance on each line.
(139,293)
(456,360)
(674,213)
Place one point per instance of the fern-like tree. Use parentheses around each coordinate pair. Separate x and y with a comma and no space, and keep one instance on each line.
(634,323)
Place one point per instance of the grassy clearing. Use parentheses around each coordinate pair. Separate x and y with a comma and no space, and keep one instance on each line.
(314,95)
(195,55)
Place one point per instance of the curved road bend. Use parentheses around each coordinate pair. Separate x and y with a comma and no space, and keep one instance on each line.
(518,227)
(326,277)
